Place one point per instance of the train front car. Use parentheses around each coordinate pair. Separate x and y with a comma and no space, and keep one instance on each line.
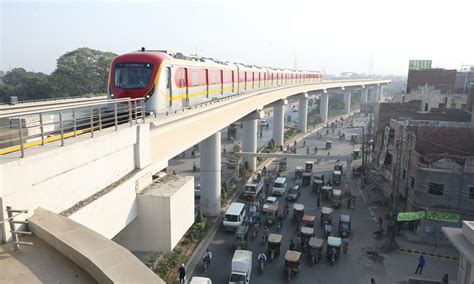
(139,75)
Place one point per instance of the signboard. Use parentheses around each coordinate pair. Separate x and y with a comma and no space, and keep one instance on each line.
(386,135)
(419,64)
(410,216)
(429,214)
(442,216)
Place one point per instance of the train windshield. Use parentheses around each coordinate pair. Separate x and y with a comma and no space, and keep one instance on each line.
(132,75)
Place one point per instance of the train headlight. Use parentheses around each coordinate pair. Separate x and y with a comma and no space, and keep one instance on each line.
(150,93)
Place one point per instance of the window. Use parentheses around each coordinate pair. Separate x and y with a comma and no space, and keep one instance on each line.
(426,106)
(132,75)
(471,193)
(404,174)
(195,78)
(412,182)
(435,188)
(453,105)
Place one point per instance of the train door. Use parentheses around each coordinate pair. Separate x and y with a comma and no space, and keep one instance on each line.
(222,81)
(233,81)
(185,88)
(245,79)
(206,82)
(169,92)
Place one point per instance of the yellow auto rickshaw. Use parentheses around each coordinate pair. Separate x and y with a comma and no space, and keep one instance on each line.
(292,263)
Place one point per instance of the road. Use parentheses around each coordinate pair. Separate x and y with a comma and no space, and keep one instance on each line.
(362,262)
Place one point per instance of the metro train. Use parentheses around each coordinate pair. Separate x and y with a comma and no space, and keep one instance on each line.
(172,81)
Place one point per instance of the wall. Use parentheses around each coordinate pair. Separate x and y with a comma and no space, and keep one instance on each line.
(56,178)
(165,213)
(441,79)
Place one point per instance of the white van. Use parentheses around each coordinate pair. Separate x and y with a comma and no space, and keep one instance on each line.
(279,186)
(234,216)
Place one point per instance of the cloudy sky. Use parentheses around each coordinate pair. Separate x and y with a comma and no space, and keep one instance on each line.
(331,35)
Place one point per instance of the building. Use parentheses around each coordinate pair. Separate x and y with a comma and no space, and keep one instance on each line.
(432,99)
(441,79)
(463,240)
(431,164)
(464,78)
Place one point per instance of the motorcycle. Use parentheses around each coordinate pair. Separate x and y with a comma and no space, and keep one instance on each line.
(255,233)
(206,261)
(278,226)
(332,258)
(345,245)
(261,265)
(264,240)
(378,234)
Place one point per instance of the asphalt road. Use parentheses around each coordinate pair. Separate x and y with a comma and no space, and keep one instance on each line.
(362,262)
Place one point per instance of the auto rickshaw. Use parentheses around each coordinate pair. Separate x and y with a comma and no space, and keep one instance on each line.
(317,184)
(306,178)
(354,138)
(326,215)
(298,212)
(241,237)
(336,177)
(336,198)
(308,167)
(292,263)
(328,145)
(308,221)
(306,234)
(270,211)
(356,154)
(315,249)
(273,246)
(338,167)
(333,249)
(327,192)
(282,164)
(299,172)
(344,225)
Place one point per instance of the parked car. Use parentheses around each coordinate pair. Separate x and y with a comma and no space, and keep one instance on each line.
(293,193)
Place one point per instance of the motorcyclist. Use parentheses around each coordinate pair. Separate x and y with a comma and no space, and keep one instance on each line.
(207,257)
(286,209)
(292,245)
(327,229)
(262,257)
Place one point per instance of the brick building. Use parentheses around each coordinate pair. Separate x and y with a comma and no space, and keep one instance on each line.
(435,170)
(441,79)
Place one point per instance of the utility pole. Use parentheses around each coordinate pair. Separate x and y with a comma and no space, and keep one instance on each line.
(363,146)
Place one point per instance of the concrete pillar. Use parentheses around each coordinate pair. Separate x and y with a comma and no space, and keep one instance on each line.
(278,122)
(349,176)
(250,142)
(363,95)
(323,108)
(302,112)
(210,201)
(378,94)
(347,101)
(381,94)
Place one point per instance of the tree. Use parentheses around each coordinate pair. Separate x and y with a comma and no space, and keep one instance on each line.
(25,85)
(82,71)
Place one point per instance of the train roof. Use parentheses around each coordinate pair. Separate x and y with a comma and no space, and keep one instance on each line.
(180,59)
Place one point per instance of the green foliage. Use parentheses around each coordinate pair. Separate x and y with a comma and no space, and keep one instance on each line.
(25,85)
(170,262)
(82,71)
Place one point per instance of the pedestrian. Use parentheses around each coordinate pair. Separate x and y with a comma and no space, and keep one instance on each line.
(193,154)
(307,151)
(445,279)
(372,281)
(353,202)
(182,273)
(349,203)
(316,150)
(380,222)
(421,263)
(174,173)
(304,143)
(261,134)
(281,148)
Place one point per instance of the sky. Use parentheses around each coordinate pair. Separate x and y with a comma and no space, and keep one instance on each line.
(377,36)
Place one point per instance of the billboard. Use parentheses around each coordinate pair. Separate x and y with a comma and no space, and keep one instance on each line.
(419,64)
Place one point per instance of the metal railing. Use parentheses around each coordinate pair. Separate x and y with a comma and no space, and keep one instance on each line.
(29,129)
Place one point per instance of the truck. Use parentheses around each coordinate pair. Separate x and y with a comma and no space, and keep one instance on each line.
(241,267)
(254,185)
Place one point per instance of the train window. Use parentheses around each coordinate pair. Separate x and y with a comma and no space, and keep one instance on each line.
(132,75)
(195,78)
